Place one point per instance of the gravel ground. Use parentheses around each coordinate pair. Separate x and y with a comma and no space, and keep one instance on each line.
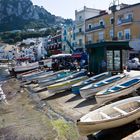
(20,120)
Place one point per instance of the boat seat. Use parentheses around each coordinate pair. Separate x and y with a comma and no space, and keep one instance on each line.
(121,86)
(105,115)
(120,110)
(110,90)
(105,82)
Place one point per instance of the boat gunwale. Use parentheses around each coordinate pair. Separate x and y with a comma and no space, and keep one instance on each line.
(116,92)
(107,83)
(122,116)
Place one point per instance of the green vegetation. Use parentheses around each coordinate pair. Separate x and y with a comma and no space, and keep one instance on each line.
(65,130)
(11,38)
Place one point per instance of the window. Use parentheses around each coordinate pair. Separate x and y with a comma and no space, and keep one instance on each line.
(119,21)
(80,42)
(111,20)
(73,36)
(101,22)
(80,18)
(65,32)
(65,38)
(80,29)
(127,34)
(129,16)
(111,33)
(120,35)
(101,36)
(89,26)
(89,38)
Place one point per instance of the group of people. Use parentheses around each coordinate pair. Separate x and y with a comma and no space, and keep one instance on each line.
(59,64)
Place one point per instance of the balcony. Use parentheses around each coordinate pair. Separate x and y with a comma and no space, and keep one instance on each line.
(126,37)
(126,21)
(99,27)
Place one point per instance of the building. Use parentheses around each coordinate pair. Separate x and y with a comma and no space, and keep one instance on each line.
(54,44)
(127,26)
(99,32)
(80,17)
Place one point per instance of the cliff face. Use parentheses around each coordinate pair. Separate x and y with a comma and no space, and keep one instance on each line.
(19,14)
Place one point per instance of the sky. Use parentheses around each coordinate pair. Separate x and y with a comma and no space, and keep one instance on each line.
(66,8)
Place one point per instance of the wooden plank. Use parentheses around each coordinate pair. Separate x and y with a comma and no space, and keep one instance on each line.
(105,115)
(119,110)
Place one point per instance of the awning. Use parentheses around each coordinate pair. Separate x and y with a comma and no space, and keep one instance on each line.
(111,45)
(77,55)
(23,58)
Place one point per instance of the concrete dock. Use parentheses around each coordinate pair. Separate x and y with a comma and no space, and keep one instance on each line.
(133,136)
(70,105)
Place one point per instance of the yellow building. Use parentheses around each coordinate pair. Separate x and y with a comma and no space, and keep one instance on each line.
(127,26)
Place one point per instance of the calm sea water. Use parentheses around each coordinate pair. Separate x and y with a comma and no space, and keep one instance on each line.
(4,74)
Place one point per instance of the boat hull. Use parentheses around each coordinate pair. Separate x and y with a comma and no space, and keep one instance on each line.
(89,93)
(87,128)
(104,98)
(96,78)
(110,116)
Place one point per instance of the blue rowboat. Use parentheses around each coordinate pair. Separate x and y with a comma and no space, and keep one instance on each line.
(76,87)
(55,77)
(91,89)
(122,89)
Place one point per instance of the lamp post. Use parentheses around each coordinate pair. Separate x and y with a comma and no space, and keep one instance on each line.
(113,7)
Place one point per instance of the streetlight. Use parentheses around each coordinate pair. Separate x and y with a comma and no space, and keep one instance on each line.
(113,7)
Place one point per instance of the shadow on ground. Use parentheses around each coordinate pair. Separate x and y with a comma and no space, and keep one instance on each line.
(76,97)
(57,95)
(86,103)
(115,133)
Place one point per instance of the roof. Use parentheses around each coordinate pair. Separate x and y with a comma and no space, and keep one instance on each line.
(100,15)
(60,55)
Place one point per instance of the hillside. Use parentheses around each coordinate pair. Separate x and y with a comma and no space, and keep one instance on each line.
(22,14)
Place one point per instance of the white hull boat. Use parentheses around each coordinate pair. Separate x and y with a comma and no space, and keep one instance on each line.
(117,91)
(90,90)
(110,116)
(26,67)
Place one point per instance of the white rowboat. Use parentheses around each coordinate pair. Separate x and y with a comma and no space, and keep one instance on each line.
(110,116)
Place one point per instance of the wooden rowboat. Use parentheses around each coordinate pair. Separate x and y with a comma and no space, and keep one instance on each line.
(90,90)
(93,79)
(110,116)
(119,90)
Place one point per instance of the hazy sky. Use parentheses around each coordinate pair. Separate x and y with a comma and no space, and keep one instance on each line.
(66,8)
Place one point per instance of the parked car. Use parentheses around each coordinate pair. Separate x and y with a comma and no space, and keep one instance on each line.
(134,64)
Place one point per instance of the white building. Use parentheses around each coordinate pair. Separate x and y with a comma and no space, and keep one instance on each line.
(34,48)
(8,51)
(80,17)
